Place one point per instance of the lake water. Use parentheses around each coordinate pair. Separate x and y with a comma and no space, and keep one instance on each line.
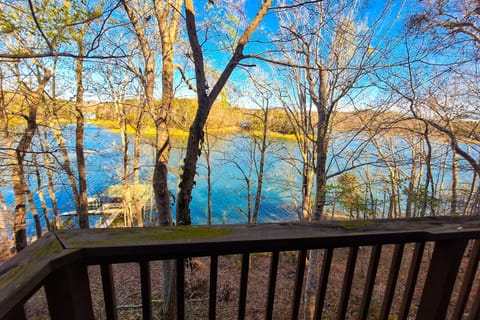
(232,160)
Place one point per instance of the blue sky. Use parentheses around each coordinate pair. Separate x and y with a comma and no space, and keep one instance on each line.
(216,59)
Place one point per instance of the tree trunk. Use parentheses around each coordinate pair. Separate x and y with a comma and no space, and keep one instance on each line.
(249,200)
(18,174)
(307,182)
(82,173)
(6,218)
(311,283)
(136,180)
(427,199)
(51,189)
(322,146)
(261,167)
(411,186)
(148,83)
(454,198)
(205,99)
(467,209)
(127,190)
(162,145)
(4,224)
(34,212)
(209,177)
(321,185)
(20,187)
(392,174)
(169,289)
(392,209)
(82,209)
(41,197)
(168,16)
(67,167)
(40,192)
(475,203)
(193,152)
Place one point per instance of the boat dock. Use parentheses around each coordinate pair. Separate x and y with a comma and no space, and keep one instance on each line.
(109,206)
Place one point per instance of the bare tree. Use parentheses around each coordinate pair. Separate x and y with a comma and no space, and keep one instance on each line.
(168,17)
(336,50)
(453,19)
(302,116)
(79,35)
(33,97)
(206,96)
(336,53)
(138,16)
(450,96)
(167,14)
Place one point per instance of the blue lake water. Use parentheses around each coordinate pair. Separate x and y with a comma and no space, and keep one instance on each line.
(232,161)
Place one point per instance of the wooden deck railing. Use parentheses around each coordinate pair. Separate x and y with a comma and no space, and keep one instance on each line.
(58,262)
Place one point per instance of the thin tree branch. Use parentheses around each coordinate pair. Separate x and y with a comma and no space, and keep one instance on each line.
(295,5)
(19,56)
(185,79)
(32,10)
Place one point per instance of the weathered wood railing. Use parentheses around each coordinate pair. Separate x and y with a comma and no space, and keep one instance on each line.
(59,261)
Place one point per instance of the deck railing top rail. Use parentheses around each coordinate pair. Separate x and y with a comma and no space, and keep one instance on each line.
(167,242)
(22,275)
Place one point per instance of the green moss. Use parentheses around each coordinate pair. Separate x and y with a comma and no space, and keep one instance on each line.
(134,236)
(353,224)
(13,274)
(49,251)
(39,255)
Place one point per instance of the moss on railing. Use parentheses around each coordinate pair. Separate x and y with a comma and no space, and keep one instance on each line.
(122,236)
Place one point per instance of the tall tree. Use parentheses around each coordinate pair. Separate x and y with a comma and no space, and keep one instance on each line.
(262,97)
(78,32)
(5,214)
(335,52)
(168,17)
(206,96)
(32,76)
(301,115)
(34,97)
(337,48)
(167,14)
(387,154)
(452,31)
(138,15)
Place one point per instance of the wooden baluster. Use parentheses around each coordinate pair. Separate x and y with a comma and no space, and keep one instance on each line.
(17,313)
(370,281)
(411,280)
(243,286)
(441,277)
(109,291)
(323,282)
(146,286)
(68,293)
(180,288)
(347,283)
(302,257)
(392,280)
(475,311)
(212,305)
(468,279)
(272,282)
